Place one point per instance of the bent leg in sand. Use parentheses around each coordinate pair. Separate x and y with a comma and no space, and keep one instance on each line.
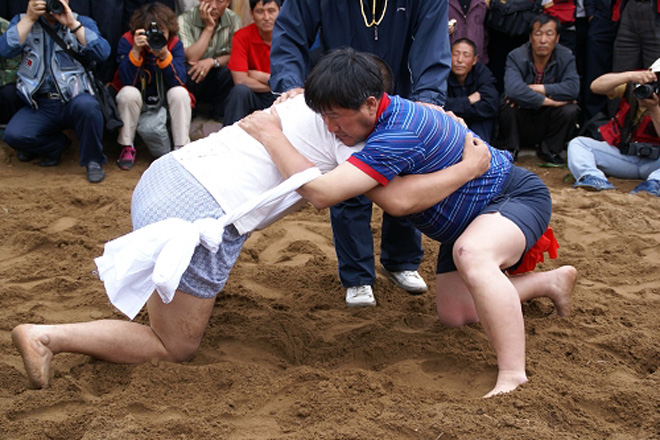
(174,334)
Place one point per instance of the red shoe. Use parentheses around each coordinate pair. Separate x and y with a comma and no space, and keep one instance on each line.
(127,158)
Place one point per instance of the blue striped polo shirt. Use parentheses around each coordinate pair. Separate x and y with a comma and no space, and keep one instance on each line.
(410,138)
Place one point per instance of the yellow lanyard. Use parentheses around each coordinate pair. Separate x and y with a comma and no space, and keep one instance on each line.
(373,22)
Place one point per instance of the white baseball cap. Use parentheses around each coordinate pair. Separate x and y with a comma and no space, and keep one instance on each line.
(655,67)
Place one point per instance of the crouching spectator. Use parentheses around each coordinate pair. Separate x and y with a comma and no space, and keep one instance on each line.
(249,63)
(55,86)
(541,85)
(151,80)
(471,91)
(207,31)
(10,102)
(628,146)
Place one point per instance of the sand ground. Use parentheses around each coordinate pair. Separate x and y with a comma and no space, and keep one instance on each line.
(283,358)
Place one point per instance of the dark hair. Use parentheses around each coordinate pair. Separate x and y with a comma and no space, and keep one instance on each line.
(344,78)
(468,42)
(253,3)
(385,72)
(543,19)
(158,12)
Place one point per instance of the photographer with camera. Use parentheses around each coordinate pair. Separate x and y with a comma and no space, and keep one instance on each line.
(151,79)
(54,85)
(629,145)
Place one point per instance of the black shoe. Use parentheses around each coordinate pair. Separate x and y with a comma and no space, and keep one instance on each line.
(47,162)
(25,156)
(50,161)
(555,159)
(95,173)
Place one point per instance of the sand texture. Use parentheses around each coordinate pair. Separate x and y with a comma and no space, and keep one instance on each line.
(283,358)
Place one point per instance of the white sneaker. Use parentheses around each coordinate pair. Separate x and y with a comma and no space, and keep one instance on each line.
(360,296)
(408,280)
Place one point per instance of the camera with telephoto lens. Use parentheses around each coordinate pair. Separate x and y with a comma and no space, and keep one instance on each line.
(155,37)
(646,91)
(54,6)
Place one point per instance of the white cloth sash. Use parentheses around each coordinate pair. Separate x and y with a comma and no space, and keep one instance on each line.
(154,257)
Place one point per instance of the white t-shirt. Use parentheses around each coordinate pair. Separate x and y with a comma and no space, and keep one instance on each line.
(234,167)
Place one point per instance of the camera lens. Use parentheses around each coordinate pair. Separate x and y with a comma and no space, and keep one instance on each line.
(155,37)
(54,6)
(643,91)
(156,40)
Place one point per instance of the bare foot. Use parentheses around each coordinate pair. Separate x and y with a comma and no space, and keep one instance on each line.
(35,352)
(562,288)
(507,381)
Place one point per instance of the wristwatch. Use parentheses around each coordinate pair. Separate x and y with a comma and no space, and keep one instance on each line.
(216,63)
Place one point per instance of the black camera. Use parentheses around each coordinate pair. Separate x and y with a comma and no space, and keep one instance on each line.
(155,37)
(642,149)
(645,91)
(54,6)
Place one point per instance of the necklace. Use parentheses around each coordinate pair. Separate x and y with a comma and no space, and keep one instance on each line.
(373,22)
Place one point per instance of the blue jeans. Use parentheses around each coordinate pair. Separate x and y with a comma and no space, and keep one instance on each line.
(401,247)
(39,131)
(587,156)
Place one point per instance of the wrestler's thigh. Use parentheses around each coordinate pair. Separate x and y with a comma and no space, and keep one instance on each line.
(491,237)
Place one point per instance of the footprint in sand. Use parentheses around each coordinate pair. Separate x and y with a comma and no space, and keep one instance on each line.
(62,224)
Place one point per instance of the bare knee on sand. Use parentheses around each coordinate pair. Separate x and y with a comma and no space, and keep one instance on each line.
(562,289)
(35,353)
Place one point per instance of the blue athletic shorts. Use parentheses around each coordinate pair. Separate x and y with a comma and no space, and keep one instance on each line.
(525,200)
(167,189)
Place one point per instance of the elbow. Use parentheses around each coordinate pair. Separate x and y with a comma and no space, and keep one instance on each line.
(399,211)
(400,206)
(319,205)
(316,199)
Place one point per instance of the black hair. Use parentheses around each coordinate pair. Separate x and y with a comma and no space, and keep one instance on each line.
(253,3)
(468,42)
(344,78)
(543,19)
(385,72)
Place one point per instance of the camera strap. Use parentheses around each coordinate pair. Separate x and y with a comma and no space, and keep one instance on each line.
(629,126)
(60,42)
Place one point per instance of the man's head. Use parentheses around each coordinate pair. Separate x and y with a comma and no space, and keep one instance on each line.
(345,88)
(264,13)
(463,57)
(217,7)
(544,35)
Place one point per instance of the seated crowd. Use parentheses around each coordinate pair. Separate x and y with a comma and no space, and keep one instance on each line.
(174,55)
(165,65)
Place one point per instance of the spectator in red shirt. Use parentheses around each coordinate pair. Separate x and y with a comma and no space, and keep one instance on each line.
(250,63)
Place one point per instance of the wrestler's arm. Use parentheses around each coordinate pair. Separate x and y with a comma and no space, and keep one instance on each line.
(342,183)
(403,195)
(409,194)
